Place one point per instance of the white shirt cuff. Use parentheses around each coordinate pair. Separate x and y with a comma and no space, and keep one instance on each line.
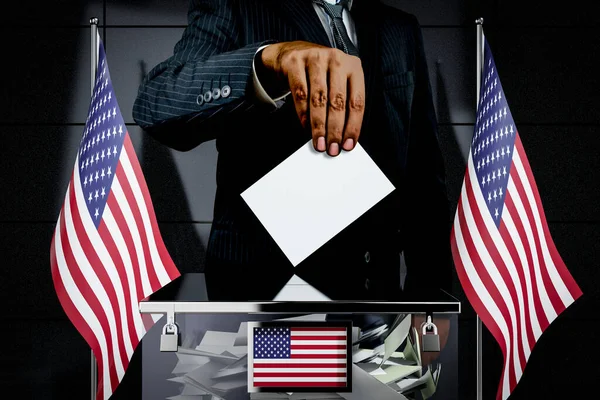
(259,91)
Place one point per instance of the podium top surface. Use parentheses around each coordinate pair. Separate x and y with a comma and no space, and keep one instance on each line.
(187,294)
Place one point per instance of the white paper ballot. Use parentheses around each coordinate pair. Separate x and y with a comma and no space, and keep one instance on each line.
(310,197)
(297,289)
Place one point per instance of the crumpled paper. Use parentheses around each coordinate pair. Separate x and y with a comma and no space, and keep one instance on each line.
(216,369)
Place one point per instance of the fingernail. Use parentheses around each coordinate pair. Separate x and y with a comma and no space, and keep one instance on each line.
(348,144)
(321,144)
(334,149)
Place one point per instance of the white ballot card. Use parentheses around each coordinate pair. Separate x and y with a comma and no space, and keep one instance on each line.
(310,197)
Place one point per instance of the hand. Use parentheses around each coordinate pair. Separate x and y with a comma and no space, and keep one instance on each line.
(328,88)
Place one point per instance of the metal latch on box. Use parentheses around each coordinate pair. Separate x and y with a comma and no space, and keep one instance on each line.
(430,337)
(169,340)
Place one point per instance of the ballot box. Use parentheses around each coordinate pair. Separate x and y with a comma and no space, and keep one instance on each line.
(354,350)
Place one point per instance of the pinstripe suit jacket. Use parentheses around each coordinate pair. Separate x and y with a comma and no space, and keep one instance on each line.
(399,132)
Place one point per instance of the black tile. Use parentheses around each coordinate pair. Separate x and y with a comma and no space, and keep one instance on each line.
(50,78)
(131,53)
(563,160)
(449,13)
(563,360)
(186,244)
(38,162)
(541,13)
(51,13)
(45,360)
(451,62)
(182,184)
(154,12)
(467,362)
(566,167)
(536,13)
(548,74)
(579,246)
(27,284)
(455,142)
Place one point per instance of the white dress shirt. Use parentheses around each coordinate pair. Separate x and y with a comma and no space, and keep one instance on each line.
(260,92)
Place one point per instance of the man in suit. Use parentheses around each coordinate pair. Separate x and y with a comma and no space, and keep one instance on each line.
(263,77)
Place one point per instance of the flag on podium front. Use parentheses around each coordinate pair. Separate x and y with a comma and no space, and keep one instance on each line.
(299,356)
(107,253)
(504,254)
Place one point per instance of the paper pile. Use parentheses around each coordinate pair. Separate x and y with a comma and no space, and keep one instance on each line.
(386,365)
(401,370)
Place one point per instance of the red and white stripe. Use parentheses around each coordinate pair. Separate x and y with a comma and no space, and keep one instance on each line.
(513,275)
(101,275)
(318,358)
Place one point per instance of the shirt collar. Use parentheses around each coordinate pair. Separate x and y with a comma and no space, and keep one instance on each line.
(335,2)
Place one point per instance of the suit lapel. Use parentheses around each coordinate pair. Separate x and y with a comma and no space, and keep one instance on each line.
(302,14)
(368,48)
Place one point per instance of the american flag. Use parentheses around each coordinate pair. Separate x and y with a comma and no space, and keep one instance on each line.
(292,357)
(107,253)
(505,257)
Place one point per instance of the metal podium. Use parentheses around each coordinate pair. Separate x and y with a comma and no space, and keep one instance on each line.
(209,359)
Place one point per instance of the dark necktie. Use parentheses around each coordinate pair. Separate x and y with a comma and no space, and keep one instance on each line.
(340,35)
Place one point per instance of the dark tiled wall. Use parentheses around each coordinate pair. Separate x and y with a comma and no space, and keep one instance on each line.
(547,60)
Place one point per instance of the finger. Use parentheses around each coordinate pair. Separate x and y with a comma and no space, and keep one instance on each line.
(317,88)
(356,107)
(296,74)
(336,112)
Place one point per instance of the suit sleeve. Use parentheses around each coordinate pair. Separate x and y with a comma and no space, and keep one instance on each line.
(170,102)
(427,251)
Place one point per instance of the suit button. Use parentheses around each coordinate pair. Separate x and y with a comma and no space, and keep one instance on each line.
(225,91)
(216,93)
(367,257)
(367,283)
(208,97)
(200,99)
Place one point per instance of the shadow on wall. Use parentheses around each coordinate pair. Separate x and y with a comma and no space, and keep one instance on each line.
(451,142)
(177,230)
(169,196)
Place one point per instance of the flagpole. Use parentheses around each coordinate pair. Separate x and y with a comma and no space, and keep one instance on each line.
(94,67)
(478,324)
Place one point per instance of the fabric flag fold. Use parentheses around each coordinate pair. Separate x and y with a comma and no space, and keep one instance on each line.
(107,253)
(505,257)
